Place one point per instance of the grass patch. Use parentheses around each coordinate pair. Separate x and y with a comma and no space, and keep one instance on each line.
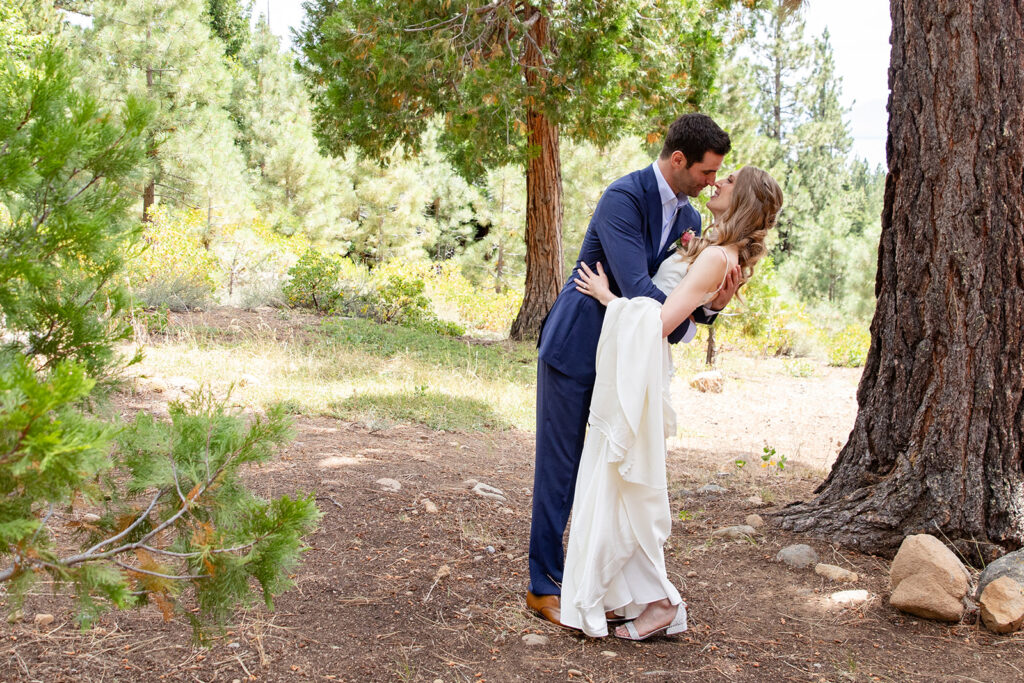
(496,360)
(429,408)
(316,365)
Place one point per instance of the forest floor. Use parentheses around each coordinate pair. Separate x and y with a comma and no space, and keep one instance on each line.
(395,589)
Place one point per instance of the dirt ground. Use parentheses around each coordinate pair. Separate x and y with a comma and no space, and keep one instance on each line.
(390,591)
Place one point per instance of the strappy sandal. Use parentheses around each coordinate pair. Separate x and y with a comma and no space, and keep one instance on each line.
(678,625)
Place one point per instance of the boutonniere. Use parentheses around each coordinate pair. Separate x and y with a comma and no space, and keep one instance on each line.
(685,238)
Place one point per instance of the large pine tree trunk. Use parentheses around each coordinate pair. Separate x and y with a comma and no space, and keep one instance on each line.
(936,446)
(543,202)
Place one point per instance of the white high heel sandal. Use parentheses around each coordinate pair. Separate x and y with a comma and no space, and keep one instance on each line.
(677,625)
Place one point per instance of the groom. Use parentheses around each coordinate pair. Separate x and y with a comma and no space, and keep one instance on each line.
(634,225)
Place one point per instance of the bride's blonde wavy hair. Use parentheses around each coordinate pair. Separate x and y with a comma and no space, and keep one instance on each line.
(752,212)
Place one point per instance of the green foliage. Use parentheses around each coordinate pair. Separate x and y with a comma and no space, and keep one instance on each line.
(781,103)
(399,296)
(48,449)
(175,524)
(772,461)
(483,309)
(848,348)
(296,189)
(314,282)
(764,322)
(174,268)
(65,163)
(391,294)
(164,51)
(229,20)
(380,72)
(176,516)
(254,260)
(799,367)
(27,27)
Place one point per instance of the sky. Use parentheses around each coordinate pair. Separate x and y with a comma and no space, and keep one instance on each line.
(859,32)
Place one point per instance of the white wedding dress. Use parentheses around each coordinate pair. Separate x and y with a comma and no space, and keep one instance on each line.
(620,514)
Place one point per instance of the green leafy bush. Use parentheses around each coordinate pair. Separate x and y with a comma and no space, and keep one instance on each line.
(254,261)
(174,269)
(314,282)
(848,348)
(762,321)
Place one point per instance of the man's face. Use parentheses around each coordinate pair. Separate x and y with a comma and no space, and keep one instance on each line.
(698,176)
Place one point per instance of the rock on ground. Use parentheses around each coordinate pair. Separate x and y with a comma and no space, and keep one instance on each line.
(387,484)
(711,380)
(834,573)
(850,598)
(799,556)
(712,488)
(755,521)
(535,639)
(487,491)
(1011,564)
(927,579)
(1002,605)
(737,532)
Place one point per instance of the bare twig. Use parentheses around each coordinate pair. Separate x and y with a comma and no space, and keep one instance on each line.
(137,570)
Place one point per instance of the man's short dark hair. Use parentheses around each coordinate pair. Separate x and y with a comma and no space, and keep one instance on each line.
(693,135)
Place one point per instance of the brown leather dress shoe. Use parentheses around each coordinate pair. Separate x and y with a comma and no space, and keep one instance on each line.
(547,606)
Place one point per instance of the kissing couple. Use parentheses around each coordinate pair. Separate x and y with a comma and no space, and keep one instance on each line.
(603,374)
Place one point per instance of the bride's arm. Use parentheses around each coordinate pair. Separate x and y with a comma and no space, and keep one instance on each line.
(702,278)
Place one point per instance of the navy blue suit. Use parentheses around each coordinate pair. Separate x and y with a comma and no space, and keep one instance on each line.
(624,235)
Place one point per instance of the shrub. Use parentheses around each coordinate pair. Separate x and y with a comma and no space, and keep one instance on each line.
(174,516)
(174,267)
(480,308)
(314,282)
(848,348)
(254,262)
(764,322)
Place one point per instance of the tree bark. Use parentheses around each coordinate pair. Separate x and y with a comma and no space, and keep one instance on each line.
(936,446)
(709,355)
(543,200)
(148,197)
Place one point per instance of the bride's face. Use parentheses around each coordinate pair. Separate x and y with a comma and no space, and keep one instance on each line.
(719,201)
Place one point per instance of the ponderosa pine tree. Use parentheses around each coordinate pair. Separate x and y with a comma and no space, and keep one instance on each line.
(509,79)
(296,188)
(165,51)
(230,21)
(937,443)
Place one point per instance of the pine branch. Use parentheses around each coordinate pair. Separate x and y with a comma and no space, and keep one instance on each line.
(183,577)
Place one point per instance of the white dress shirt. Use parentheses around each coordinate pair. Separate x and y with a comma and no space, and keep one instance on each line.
(671,205)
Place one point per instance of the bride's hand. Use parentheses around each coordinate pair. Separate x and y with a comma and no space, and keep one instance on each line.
(593,284)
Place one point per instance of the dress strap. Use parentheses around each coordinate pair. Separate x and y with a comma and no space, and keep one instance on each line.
(725,255)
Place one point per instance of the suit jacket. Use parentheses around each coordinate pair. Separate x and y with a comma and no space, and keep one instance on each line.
(624,235)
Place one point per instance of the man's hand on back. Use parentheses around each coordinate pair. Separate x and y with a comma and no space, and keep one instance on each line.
(725,294)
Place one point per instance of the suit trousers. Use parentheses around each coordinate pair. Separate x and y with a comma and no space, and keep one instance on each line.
(563,406)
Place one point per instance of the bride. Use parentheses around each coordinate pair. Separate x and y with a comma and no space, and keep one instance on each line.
(615,564)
